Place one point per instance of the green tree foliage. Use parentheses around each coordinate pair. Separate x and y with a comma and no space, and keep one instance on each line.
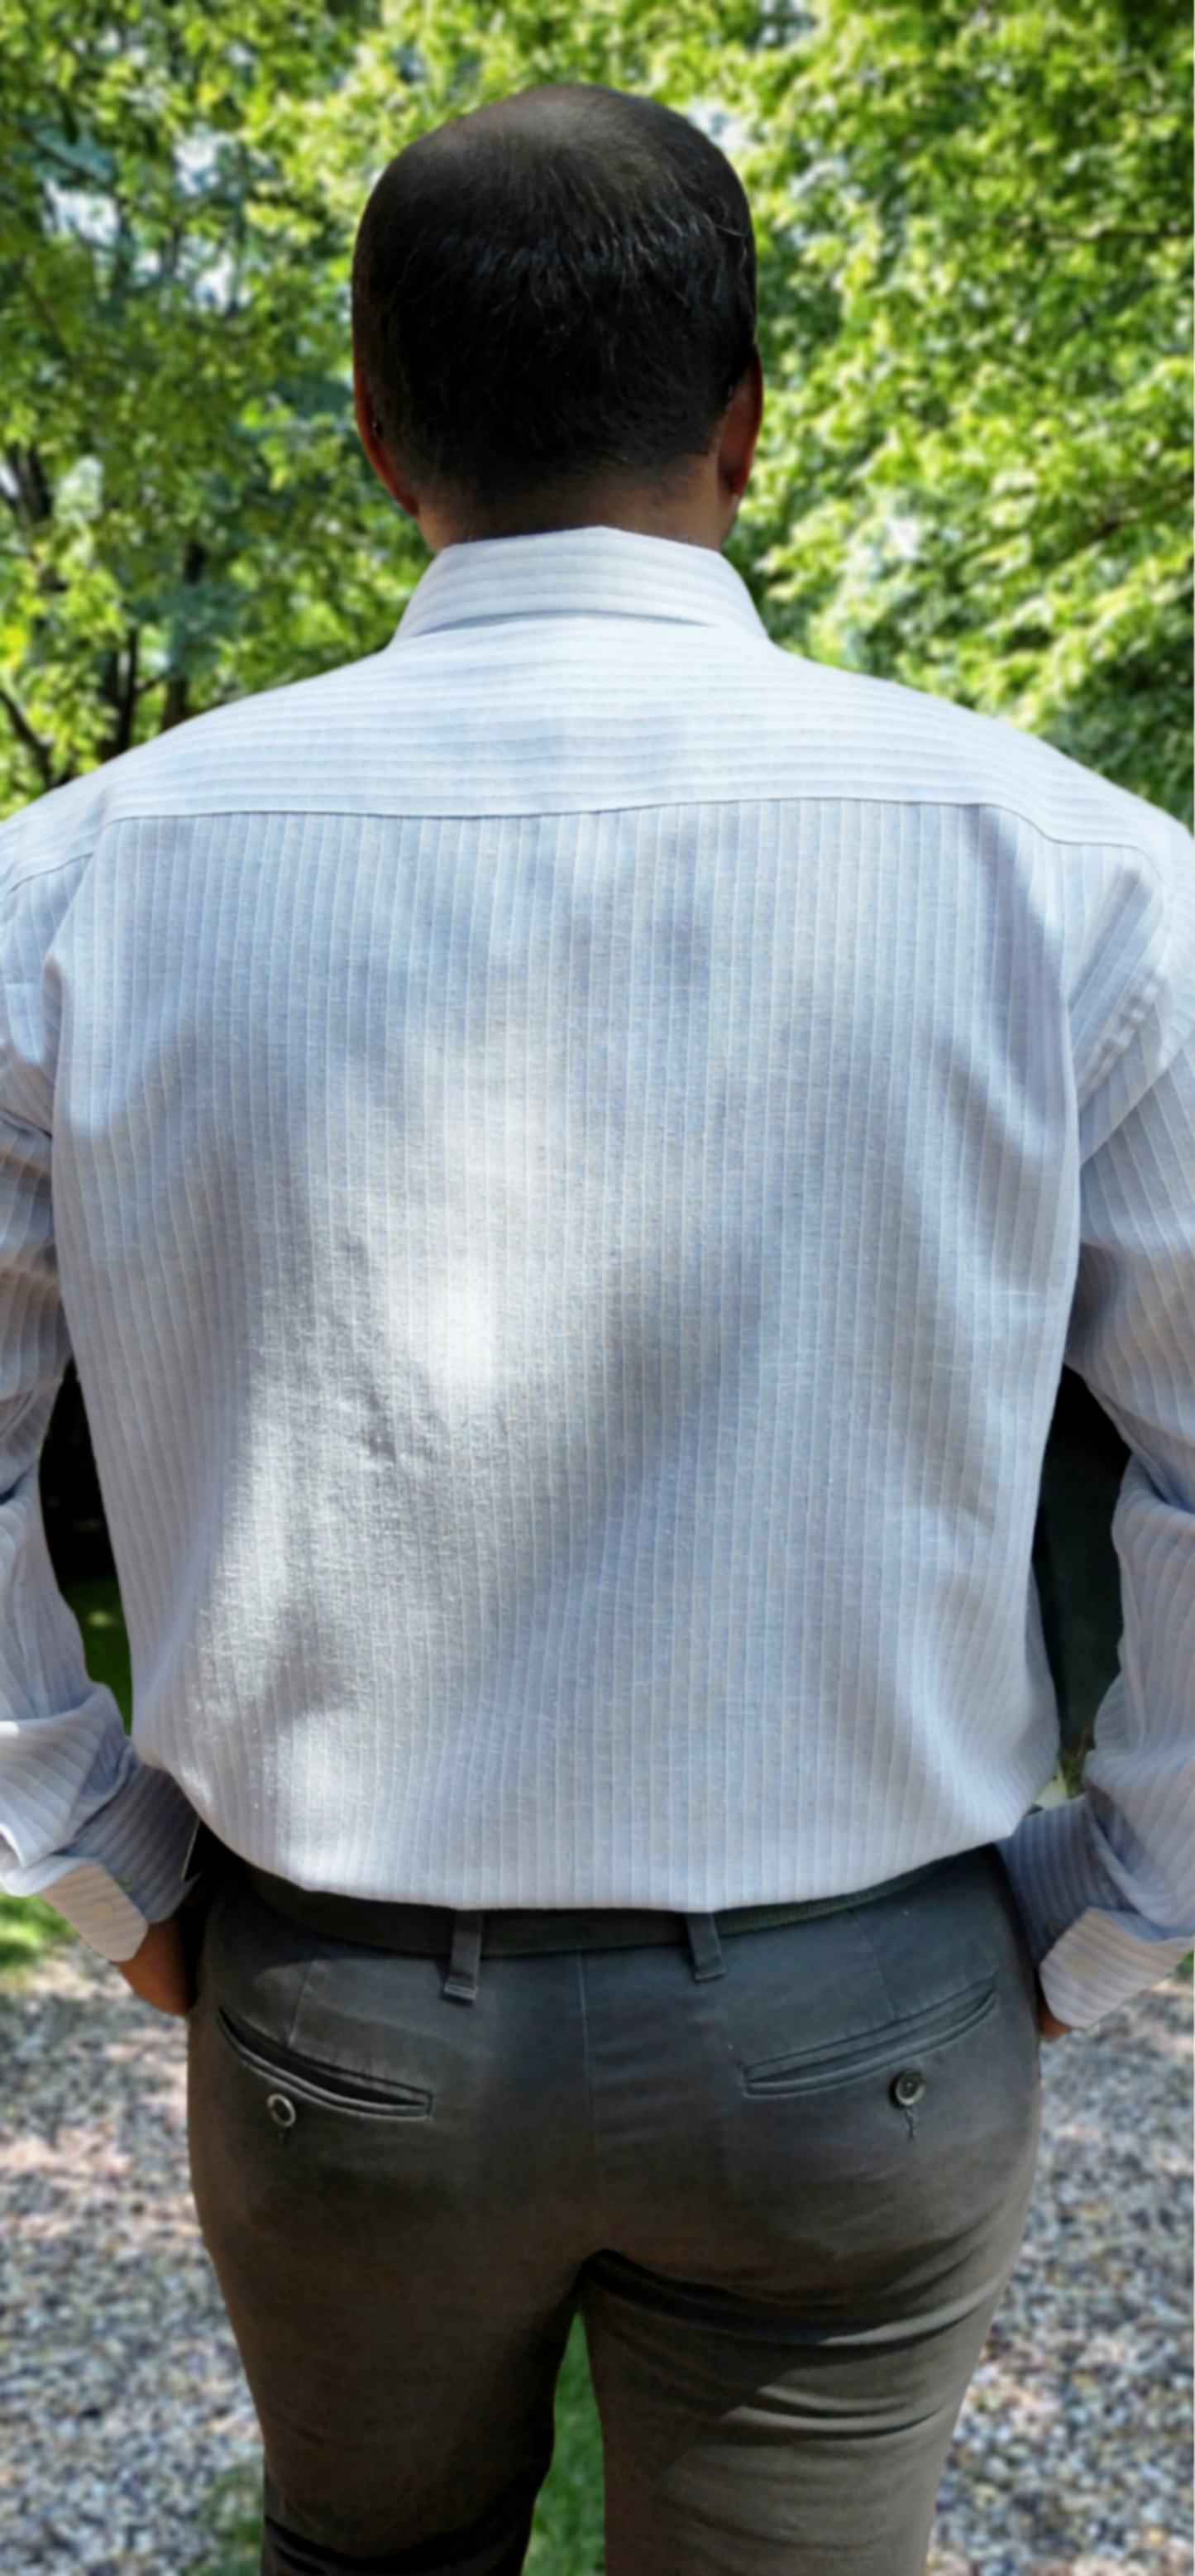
(974,233)
(176,456)
(978,323)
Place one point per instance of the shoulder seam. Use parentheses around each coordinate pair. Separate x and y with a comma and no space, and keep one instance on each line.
(55,871)
(387,814)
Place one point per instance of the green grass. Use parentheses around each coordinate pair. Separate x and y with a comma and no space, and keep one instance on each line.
(232,2516)
(566,2536)
(28,1928)
(105,1642)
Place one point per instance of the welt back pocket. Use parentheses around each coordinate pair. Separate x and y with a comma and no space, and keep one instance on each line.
(874,2052)
(329,2086)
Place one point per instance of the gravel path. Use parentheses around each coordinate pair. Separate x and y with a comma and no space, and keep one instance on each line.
(121,2397)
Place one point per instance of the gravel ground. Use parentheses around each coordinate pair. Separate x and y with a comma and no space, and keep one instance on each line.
(122,2401)
(121,2394)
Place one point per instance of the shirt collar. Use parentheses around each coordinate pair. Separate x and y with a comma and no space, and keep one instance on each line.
(578,572)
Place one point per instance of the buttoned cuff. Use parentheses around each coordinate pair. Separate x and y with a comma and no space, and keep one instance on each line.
(124,1870)
(1091,1952)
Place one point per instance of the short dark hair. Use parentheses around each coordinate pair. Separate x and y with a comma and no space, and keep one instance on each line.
(559,285)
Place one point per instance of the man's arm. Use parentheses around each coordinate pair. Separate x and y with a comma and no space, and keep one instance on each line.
(1105,1882)
(83,1821)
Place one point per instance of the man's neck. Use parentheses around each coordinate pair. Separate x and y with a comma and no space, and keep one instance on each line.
(690,514)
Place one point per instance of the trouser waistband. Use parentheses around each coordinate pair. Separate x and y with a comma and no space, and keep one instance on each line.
(433,1931)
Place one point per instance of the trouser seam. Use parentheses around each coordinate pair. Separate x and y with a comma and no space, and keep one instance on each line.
(590,2097)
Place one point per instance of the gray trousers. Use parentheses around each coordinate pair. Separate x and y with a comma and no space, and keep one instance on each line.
(785,2200)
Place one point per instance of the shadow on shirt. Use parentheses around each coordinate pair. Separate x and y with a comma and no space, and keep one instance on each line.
(1074,1561)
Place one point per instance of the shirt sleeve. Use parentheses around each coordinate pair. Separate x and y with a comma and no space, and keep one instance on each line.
(83,1821)
(1106,1882)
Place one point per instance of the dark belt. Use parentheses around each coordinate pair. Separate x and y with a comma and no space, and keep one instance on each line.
(428,1930)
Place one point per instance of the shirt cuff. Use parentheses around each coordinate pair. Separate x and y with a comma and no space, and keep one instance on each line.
(1092,1953)
(124,1870)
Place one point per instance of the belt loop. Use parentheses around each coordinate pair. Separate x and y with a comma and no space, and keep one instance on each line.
(464,1959)
(705,1946)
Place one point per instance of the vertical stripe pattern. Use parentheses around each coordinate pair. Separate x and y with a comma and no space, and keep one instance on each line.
(570,1157)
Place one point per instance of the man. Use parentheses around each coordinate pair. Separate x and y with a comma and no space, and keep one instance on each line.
(570,1155)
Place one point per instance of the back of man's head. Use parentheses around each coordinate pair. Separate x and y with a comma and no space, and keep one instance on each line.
(559,286)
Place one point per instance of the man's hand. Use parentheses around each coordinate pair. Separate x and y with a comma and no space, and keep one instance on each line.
(1047,2022)
(160,1971)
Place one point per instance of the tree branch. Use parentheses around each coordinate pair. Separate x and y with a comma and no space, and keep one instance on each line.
(39,751)
(32,500)
(37,308)
(1099,232)
(175,709)
(174,706)
(1158,506)
(128,697)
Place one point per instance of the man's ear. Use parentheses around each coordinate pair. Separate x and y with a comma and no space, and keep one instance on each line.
(369,430)
(740,430)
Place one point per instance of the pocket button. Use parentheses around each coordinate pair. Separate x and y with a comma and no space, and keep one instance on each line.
(281,2110)
(909,2087)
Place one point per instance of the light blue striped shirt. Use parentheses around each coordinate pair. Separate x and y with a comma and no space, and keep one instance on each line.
(569,1155)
